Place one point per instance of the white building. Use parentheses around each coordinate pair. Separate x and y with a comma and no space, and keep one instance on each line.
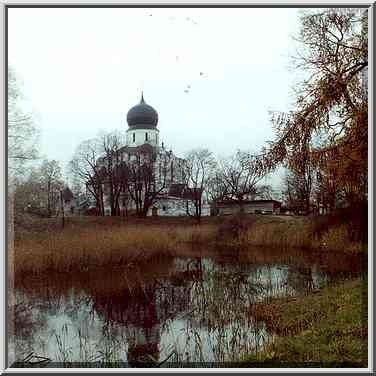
(248,207)
(142,141)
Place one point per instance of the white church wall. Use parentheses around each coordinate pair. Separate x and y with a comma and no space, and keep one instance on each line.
(176,207)
(137,137)
(169,207)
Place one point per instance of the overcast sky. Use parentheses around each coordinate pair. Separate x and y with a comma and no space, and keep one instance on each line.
(83,69)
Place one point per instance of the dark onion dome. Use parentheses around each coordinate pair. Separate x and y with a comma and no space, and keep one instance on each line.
(142,116)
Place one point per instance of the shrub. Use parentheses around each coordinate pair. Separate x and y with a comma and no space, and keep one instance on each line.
(355,216)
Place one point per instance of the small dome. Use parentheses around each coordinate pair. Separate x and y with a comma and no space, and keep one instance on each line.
(142,116)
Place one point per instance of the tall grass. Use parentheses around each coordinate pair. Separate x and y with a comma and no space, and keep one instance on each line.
(301,234)
(339,238)
(282,235)
(85,249)
(82,248)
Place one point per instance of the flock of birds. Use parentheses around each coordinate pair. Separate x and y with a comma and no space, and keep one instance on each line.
(188,87)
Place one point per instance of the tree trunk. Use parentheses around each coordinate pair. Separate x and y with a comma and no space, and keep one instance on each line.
(62,209)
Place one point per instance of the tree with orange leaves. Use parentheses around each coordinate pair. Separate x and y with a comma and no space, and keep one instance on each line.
(329,126)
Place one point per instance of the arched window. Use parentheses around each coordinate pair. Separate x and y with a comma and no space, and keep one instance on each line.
(134,137)
(146,136)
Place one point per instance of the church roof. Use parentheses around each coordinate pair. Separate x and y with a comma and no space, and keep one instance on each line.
(142,116)
(246,202)
(184,192)
(176,189)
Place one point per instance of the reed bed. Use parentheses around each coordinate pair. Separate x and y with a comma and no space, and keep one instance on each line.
(86,249)
(339,238)
(282,235)
(300,234)
(83,248)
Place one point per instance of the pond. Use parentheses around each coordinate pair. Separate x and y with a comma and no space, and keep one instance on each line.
(172,312)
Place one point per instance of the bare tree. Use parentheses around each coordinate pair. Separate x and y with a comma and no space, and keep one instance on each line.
(297,192)
(51,181)
(240,175)
(39,192)
(146,173)
(264,192)
(85,168)
(110,146)
(199,168)
(216,187)
(22,131)
(28,194)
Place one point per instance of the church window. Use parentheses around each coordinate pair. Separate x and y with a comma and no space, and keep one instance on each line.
(134,137)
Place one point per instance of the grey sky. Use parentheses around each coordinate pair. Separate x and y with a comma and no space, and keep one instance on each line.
(82,69)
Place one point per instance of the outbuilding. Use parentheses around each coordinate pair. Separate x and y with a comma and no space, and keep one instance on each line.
(248,206)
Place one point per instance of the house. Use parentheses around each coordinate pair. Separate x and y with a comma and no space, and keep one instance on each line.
(177,202)
(247,206)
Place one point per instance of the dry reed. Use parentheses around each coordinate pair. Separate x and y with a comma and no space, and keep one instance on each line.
(86,249)
(300,235)
(282,235)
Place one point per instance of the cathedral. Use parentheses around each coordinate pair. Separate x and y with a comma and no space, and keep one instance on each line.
(173,197)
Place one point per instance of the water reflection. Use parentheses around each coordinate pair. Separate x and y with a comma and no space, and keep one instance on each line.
(187,309)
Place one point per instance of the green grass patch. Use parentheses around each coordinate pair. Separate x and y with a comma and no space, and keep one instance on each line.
(324,329)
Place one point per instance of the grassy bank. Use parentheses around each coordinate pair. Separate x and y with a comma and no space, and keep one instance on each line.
(325,329)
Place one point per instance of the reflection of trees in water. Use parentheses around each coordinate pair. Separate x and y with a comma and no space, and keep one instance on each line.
(46,321)
(211,302)
(221,303)
(136,313)
(26,323)
(30,323)
(196,307)
(143,311)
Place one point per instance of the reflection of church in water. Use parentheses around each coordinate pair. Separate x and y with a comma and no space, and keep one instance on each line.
(143,311)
